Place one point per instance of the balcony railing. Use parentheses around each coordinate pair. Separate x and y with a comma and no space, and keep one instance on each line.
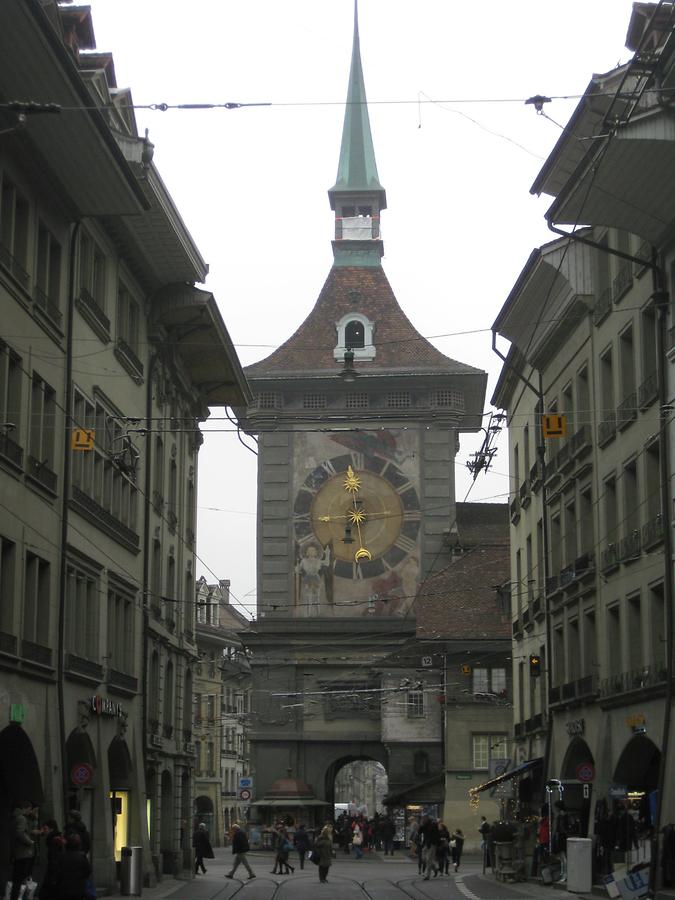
(569,690)
(648,390)
(526,618)
(567,575)
(586,686)
(630,546)
(536,607)
(8,643)
(602,305)
(607,430)
(581,441)
(516,628)
(518,729)
(635,680)
(524,494)
(609,558)
(626,411)
(652,532)
(36,653)
(13,267)
(48,306)
(129,360)
(554,694)
(564,458)
(535,476)
(122,680)
(622,281)
(167,730)
(11,450)
(552,584)
(94,314)
(86,667)
(514,510)
(40,472)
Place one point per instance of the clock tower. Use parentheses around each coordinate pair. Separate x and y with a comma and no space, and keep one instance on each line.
(358,420)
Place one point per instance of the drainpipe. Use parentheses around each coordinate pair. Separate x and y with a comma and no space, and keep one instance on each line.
(660,297)
(63,560)
(146,571)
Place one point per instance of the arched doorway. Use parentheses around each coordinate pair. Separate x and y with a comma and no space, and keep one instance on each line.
(19,780)
(120,770)
(204,813)
(638,771)
(576,774)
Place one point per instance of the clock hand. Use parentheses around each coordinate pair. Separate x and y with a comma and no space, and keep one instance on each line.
(361,553)
(354,513)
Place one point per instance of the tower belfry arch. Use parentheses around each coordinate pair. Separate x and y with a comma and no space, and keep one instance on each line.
(356,499)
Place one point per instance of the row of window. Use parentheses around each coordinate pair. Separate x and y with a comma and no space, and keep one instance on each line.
(84,609)
(33,256)
(441,399)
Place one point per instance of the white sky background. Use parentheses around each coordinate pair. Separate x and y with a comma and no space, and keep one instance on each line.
(251,184)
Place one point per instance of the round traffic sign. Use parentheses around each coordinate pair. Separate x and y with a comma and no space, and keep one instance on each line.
(245,794)
(81,774)
(586,772)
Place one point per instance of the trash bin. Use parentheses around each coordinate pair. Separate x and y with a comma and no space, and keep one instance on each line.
(579,857)
(131,872)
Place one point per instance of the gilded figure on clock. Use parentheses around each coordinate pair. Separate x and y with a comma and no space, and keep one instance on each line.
(314,582)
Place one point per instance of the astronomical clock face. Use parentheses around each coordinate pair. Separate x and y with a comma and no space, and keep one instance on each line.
(356,524)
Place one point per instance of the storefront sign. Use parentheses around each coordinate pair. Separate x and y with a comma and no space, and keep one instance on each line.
(103,706)
(618,791)
(463,776)
(636,721)
(81,774)
(575,728)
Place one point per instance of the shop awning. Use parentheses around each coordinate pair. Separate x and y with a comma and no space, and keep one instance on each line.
(506,776)
(414,791)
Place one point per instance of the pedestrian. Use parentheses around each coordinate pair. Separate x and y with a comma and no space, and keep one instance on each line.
(72,871)
(55,844)
(301,844)
(202,846)
(22,846)
(284,847)
(429,835)
(443,852)
(456,847)
(357,841)
(484,831)
(239,850)
(75,826)
(388,831)
(323,845)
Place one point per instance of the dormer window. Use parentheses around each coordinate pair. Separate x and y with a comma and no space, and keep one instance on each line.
(355,332)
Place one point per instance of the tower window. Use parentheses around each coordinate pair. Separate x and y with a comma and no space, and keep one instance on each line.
(356,401)
(355,335)
(398,399)
(314,401)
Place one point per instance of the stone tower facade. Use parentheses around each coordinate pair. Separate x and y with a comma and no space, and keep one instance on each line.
(358,418)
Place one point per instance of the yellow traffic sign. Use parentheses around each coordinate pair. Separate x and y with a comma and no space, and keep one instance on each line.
(82,439)
(554,426)
(466,670)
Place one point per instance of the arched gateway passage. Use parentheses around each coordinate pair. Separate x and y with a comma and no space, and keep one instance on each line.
(335,771)
(576,773)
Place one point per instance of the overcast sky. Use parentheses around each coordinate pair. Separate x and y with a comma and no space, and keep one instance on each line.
(457,151)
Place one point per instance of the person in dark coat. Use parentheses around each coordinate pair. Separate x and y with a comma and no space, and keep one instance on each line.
(283,848)
(388,831)
(72,871)
(301,843)
(239,850)
(55,844)
(443,852)
(430,839)
(456,847)
(75,826)
(323,845)
(202,846)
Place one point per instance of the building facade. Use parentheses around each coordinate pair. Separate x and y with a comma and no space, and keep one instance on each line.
(222,690)
(590,505)
(101,400)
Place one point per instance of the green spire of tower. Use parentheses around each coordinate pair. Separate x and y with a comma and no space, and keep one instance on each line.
(357,170)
